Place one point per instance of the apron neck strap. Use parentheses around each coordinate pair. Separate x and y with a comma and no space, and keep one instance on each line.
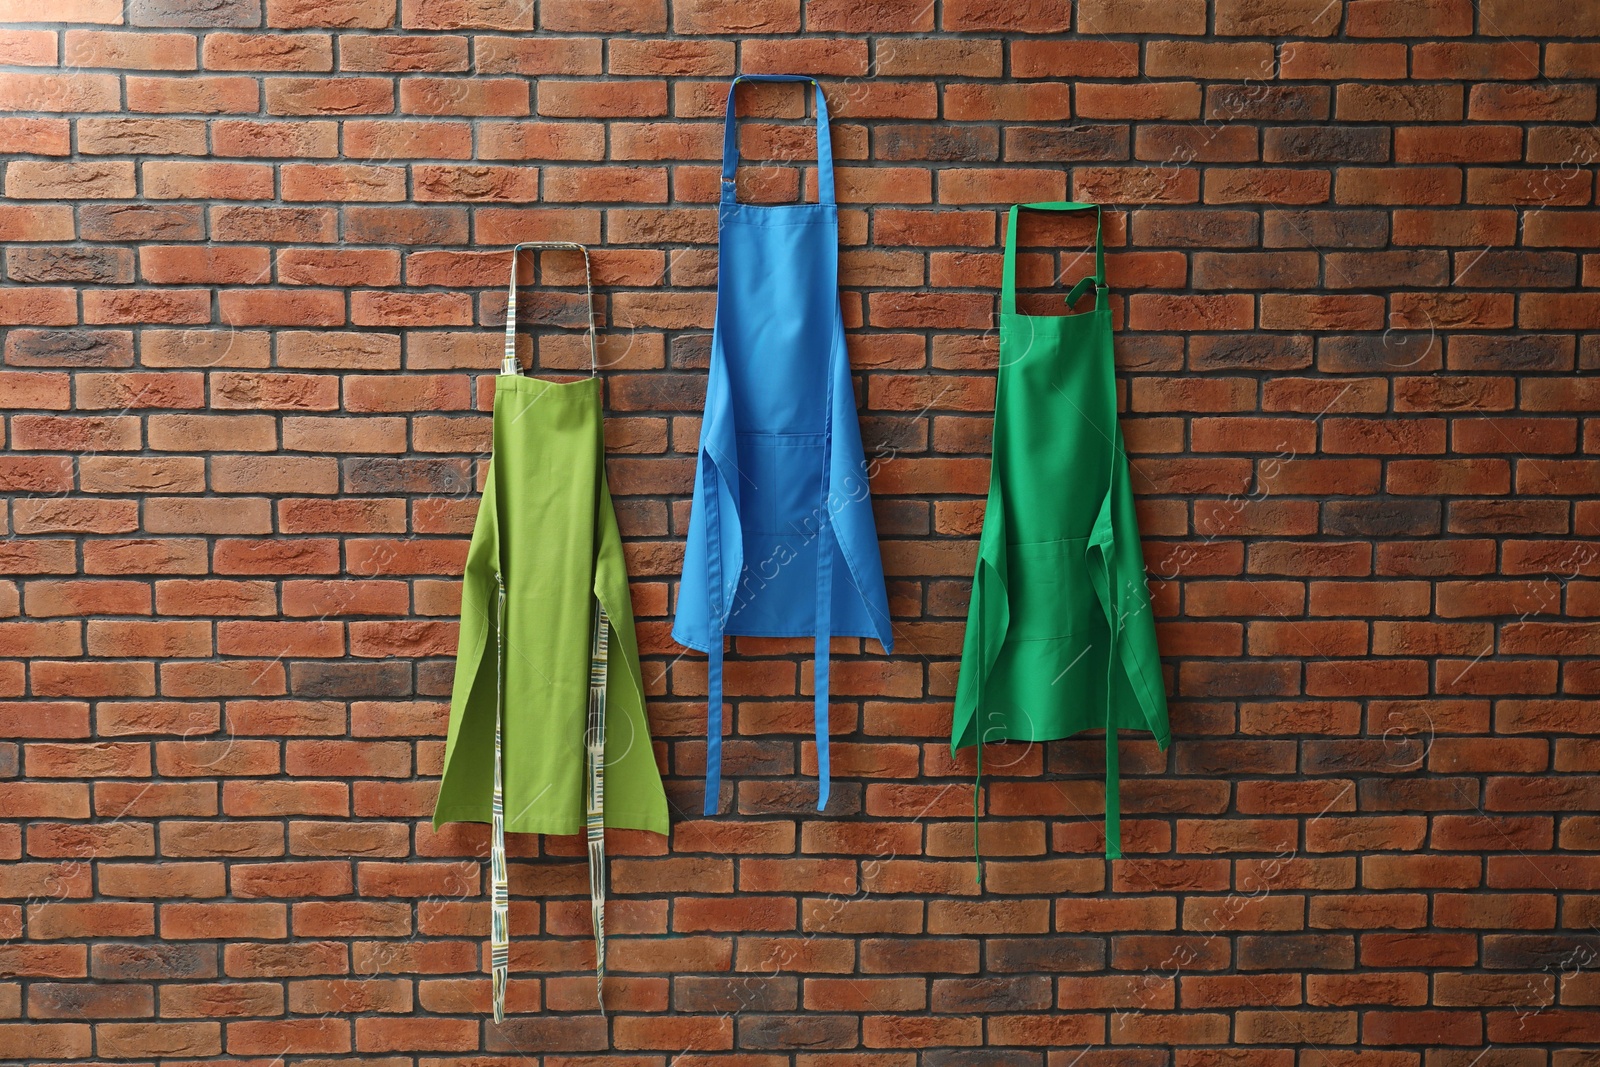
(508,363)
(730,137)
(1008,275)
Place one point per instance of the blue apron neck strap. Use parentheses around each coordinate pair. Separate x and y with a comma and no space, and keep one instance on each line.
(1008,275)
(508,362)
(730,137)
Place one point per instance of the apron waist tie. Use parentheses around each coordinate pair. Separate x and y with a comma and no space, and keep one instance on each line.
(820,719)
(823,636)
(713,724)
(977,803)
(718,621)
(499,885)
(1113,773)
(595,820)
(1113,797)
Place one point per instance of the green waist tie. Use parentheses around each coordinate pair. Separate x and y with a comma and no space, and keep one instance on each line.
(1060,637)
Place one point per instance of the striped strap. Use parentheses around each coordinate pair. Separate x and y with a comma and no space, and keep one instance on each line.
(499,887)
(595,823)
(508,362)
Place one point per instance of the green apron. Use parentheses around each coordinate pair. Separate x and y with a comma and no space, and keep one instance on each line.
(1060,636)
(547,717)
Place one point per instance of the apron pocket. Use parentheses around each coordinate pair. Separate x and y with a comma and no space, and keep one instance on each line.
(780,483)
(1048,588)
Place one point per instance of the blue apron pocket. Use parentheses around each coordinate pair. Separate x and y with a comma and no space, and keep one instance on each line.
(780,486)
(780,483)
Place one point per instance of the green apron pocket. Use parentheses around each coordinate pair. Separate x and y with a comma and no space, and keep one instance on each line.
(1048,589)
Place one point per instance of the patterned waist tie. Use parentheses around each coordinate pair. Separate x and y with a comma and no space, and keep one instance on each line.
(499,888)
(594,745)
(595,824)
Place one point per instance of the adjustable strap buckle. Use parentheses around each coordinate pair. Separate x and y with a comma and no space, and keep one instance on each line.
(1077,291)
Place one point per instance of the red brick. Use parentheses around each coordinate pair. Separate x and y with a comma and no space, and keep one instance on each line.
(166,180)
(1199,59)
(307,140)
(1567,59)
(1386,18)
(1298,17)
(42,180)
(1441,144)
(295,14)
(410,309)
(129,51)
(464,96)
(462,14)
(1475,60)
(632,99)
(342,182)
(406,52)
(980,16)
(292,392)
(1106,17)
(1155,100)
(387,139)
(32,48)
(65,1040)
(1019,102)
(329,96)
(572,140)
(277,52)
(116,433)
(185,137)
(765,16)
(1328,61)
(208,265)
(164,306)
(90,920)
(220,95)
(59,92)
(249,223)
(242,307)
(36,222)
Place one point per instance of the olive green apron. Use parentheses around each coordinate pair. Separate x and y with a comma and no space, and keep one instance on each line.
(1060,637)
(548,734)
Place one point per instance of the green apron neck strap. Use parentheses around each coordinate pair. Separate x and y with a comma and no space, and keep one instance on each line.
(508,362)
(1008,276)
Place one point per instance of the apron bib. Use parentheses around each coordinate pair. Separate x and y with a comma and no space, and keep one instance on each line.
(547,716)
(781,537)
(1060,636)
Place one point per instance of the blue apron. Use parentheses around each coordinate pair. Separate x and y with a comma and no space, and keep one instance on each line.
(781,537)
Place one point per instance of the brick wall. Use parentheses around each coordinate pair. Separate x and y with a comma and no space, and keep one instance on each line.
(251,267)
